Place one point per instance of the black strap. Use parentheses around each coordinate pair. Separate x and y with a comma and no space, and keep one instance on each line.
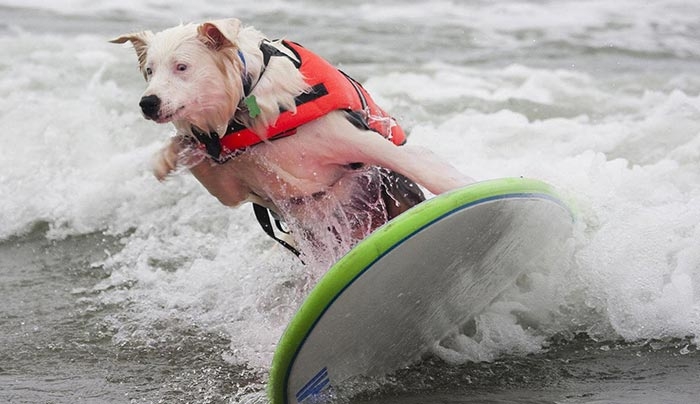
(269,51)
(357,86)
(263,216)
(210,141)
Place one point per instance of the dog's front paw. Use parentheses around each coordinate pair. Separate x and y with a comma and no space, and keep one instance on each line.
(165,160)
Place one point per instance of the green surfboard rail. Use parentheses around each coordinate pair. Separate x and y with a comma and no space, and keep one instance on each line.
(369,250)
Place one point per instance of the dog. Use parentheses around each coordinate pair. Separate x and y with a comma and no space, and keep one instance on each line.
(331,174)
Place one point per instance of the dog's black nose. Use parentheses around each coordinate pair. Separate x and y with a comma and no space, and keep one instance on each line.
(150,105)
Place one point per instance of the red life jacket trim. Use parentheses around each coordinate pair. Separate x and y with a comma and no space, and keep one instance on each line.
(331,90)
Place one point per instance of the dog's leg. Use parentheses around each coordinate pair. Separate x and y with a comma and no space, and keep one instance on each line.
(421,165)
(215,177)
(175,155)
(165,160)
(352,145)
(221,183)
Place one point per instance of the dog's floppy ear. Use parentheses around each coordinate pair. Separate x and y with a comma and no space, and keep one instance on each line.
(140,42)
(219,33)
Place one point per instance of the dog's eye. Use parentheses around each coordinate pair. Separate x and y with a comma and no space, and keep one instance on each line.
(181,67)
(149,71)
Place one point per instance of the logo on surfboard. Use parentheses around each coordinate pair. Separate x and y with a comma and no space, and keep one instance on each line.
(314,386)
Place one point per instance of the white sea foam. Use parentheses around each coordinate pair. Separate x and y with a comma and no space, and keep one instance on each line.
(623,146)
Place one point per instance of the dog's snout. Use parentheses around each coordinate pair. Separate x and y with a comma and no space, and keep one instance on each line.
(150,105)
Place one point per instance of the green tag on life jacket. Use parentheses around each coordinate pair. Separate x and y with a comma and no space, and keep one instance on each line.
(253,107)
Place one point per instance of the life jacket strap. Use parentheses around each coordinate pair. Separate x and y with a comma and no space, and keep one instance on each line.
(239,134)
(265,218)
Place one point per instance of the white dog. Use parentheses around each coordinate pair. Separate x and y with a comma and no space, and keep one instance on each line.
(278,128)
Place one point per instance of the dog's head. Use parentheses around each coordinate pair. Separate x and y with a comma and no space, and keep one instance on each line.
(194,73)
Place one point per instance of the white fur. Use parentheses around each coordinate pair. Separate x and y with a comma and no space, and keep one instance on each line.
(207,94)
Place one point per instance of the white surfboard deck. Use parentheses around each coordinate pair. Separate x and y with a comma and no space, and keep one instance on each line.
(415,280)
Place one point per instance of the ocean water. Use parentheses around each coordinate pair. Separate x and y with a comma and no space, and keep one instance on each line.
(115,288)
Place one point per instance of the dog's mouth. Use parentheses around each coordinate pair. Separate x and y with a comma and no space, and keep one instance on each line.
(171,116)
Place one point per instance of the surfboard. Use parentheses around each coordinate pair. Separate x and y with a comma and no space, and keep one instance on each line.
(414,281)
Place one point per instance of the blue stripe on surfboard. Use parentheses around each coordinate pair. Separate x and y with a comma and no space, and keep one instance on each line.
(314,386)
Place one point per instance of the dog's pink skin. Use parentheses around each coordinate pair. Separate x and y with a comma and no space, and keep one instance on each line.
(196,71)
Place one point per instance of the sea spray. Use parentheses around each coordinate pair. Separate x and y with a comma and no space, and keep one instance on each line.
(602,102)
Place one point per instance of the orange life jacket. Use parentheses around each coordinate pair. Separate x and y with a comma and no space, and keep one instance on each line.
(331,90)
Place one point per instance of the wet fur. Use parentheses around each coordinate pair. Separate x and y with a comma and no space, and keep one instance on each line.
(196,72)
